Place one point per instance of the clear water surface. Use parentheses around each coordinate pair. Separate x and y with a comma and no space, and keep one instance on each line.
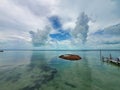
(44,70)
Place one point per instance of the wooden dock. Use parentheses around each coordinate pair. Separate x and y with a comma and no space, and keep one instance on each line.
(111,60)
(115,62)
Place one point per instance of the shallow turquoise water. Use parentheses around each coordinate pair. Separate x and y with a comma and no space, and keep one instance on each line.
(43,70)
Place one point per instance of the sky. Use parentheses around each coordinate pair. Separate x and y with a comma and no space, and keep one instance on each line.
(59,24)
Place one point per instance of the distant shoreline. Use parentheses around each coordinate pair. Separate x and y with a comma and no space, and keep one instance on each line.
(60,50)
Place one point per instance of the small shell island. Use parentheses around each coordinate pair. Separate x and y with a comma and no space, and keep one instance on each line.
(70,57)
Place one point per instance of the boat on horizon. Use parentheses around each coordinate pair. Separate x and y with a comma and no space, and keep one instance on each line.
(1,51)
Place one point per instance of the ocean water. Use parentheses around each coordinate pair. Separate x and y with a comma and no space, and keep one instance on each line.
(44,70)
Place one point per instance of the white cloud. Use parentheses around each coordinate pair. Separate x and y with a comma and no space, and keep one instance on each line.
(106,38)
(69,25)
(99,10)
(16,21)
(41,36)
(18,17)
(93,27)
(81,28)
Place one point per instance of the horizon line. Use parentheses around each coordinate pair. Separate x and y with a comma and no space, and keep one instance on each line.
(60,49)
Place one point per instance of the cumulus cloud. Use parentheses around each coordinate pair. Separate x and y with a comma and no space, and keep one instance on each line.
(113,30)
(102,11)
(109,36)
(16,21)
(81,28)
(18,17)
(40,37)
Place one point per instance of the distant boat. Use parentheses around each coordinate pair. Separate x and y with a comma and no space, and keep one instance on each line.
(1,51)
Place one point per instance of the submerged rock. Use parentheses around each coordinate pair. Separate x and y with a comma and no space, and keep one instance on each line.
(47,74)
(46,68)
(70,85)
(70,57)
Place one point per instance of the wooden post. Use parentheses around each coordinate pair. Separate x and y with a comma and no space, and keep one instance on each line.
(100,55)
(110,56)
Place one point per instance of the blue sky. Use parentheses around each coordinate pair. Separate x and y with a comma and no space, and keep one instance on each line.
(59,24)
